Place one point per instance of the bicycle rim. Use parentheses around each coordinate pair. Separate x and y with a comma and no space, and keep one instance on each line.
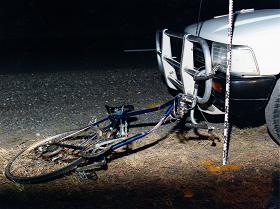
(35,166)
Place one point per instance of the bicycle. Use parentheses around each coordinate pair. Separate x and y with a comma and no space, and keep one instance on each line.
(84,150)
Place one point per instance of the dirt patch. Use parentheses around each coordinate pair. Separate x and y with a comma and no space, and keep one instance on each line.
(181,170)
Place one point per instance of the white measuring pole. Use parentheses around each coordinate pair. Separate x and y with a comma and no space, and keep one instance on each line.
(229,56)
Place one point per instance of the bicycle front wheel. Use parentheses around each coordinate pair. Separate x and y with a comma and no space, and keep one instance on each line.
(50,158)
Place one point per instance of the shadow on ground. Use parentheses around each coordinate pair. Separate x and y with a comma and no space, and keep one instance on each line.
(231,190)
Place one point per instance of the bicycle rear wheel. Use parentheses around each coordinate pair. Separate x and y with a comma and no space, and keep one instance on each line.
(51,157)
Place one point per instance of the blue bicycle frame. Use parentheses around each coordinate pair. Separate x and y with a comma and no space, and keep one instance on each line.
(120,116)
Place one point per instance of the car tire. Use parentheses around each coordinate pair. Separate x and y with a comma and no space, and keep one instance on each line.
(272,113)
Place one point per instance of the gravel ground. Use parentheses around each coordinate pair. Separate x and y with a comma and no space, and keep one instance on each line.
(43,103)
(180,170)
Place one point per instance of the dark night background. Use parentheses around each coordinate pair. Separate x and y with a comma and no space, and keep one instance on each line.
(62,61)
(85,32)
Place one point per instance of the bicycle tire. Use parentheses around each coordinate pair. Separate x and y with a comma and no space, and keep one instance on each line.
(44,177)
(272,113)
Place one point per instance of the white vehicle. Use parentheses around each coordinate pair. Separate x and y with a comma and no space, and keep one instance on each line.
(199,70)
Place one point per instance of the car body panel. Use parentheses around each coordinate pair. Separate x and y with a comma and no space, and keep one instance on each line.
(259,30)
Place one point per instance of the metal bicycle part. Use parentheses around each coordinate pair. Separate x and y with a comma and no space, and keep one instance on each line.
(184,105)
(93,166)
(100,147)
(87,172)
(87,175)
(55,156)
(49,158)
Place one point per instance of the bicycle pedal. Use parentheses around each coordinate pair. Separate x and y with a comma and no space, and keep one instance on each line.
(86,175)
(93,167)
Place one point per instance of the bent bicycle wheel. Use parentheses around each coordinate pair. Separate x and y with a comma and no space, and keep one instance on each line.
(50,158)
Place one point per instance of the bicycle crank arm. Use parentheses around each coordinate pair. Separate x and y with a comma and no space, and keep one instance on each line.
(94,166)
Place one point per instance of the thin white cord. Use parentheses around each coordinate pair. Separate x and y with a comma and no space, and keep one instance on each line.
(229,57)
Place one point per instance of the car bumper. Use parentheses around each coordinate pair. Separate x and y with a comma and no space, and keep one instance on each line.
(247,94)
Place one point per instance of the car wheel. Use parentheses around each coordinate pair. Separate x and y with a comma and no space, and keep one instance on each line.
(272,113)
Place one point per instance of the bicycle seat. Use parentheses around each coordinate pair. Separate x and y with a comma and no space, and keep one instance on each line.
(120,109)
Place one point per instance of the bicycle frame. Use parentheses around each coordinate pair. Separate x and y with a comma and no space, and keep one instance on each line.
(116,116)
(95,147)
